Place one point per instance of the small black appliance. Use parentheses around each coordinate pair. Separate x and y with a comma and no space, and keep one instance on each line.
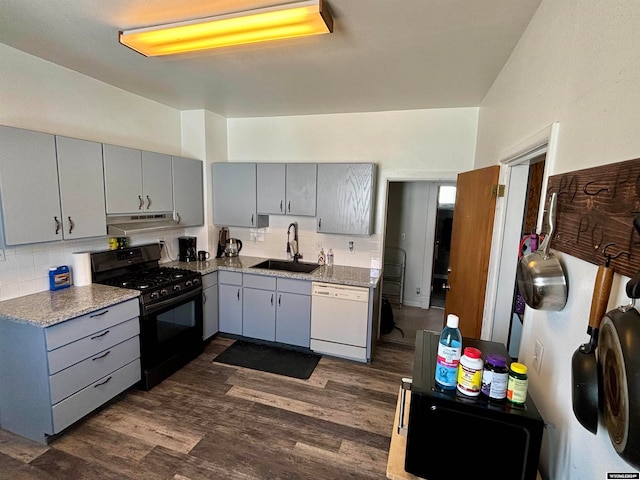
(187,249)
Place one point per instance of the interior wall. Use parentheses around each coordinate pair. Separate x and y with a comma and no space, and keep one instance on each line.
(42,96)
(406,145)
(574,65)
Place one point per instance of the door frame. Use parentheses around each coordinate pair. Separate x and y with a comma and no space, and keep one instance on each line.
(503,258)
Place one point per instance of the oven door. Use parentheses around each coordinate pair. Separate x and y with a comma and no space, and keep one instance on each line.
(171,333)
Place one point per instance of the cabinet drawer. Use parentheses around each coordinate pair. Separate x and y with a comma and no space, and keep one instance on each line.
(209,280)
(88,399)
(100,341)
(72,379)
(259,281)
(86,325)
(303,287)
(230,278)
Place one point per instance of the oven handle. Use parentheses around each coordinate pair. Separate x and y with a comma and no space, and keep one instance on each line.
(173,301)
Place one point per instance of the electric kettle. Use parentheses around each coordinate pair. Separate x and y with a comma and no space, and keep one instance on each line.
(232,247)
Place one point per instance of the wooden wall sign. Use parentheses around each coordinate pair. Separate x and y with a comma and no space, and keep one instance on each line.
(595,211)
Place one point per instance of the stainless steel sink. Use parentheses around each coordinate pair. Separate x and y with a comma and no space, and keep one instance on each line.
(288,266)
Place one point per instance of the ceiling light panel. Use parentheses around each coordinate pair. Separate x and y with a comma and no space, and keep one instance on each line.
(273,23)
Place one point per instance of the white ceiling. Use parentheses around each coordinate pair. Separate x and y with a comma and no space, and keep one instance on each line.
(382,55)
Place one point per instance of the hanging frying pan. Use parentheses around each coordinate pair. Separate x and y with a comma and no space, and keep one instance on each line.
(619,358)
(541,279)
(584,365)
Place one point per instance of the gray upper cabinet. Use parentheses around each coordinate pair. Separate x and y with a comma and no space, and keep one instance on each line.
(187,191)
(137,181)
(301,189)
(234,196)
(45,198)
(345,198)
(271,188)
(286,189)
(81,188)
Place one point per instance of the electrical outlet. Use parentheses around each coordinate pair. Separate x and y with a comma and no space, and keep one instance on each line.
(403,236)
(352,247)
(537,356)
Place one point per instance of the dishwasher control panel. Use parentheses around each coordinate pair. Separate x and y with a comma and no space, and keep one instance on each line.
(342,292)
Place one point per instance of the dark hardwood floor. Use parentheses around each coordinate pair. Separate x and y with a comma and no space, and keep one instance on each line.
(216,421)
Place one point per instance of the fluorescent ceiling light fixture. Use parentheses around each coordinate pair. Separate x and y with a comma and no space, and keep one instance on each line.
(290,20)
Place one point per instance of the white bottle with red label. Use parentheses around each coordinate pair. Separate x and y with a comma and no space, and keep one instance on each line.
(449,353)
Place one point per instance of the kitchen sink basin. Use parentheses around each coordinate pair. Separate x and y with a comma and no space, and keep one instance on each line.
(287,266)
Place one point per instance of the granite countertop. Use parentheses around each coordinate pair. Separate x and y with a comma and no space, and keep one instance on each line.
(47,308)
(339,274)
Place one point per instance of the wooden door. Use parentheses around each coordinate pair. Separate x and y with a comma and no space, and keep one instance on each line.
(470,247)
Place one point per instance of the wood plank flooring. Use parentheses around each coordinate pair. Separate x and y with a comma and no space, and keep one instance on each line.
(217,421)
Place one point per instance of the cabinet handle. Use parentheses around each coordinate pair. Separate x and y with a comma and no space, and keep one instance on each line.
(179,218)
(99,314)
(252,219)
(141,204)
(280,205)
(279,300)
(204,299)
(71,225)
(238,294)
(101,356)
(101,335)
(272,299)
(102,383)
(148,202)
(320,223)
(289,206)
(57,225)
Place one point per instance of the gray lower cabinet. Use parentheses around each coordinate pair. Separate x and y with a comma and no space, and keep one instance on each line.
(234,196)
(188,197)
(52,377)
(230,302)
(345,198)
(51,187)
(259,307)
(293,325)
(210,307)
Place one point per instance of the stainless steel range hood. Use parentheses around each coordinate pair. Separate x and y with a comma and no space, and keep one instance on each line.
(129,225)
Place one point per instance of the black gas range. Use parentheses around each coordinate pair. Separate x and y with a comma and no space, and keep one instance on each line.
(171,315)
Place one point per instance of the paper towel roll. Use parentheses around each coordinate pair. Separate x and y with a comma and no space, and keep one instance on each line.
(81,269)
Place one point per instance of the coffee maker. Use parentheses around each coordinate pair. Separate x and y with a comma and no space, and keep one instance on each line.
(187,249)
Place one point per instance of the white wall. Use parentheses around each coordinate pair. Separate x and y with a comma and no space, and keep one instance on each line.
(405,145)
(42,96)
(577,64)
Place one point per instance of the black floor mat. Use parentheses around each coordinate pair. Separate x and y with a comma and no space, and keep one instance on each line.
(266,358)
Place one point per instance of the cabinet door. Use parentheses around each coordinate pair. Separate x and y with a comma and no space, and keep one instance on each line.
(157,182)
(210,299)
(30,196)
(259,314)
(230,309)
(81,181)
(293,319)
(123,179)
(271,188)
(345,198)
(234,194)
(301,188)
(188,196)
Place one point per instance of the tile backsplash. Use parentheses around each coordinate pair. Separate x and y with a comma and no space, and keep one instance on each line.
(26,267)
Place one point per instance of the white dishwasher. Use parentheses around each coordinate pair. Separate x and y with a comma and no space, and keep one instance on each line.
(339,320)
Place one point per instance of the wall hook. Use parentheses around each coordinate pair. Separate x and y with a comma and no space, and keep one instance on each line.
(610,257)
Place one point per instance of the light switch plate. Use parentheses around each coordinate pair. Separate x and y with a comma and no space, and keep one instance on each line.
(537,356)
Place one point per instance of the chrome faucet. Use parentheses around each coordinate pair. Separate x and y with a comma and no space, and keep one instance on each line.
(292,247)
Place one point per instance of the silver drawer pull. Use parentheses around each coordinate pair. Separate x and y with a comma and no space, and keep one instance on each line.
(101,356)
(101,335)
(99,314)
(102,383)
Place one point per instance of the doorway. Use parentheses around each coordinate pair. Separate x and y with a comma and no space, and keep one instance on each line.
(412,215)
(442,245)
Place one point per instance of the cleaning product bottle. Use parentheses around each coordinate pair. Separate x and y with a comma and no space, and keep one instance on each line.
(321,257)
(449,353)
(330,258)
